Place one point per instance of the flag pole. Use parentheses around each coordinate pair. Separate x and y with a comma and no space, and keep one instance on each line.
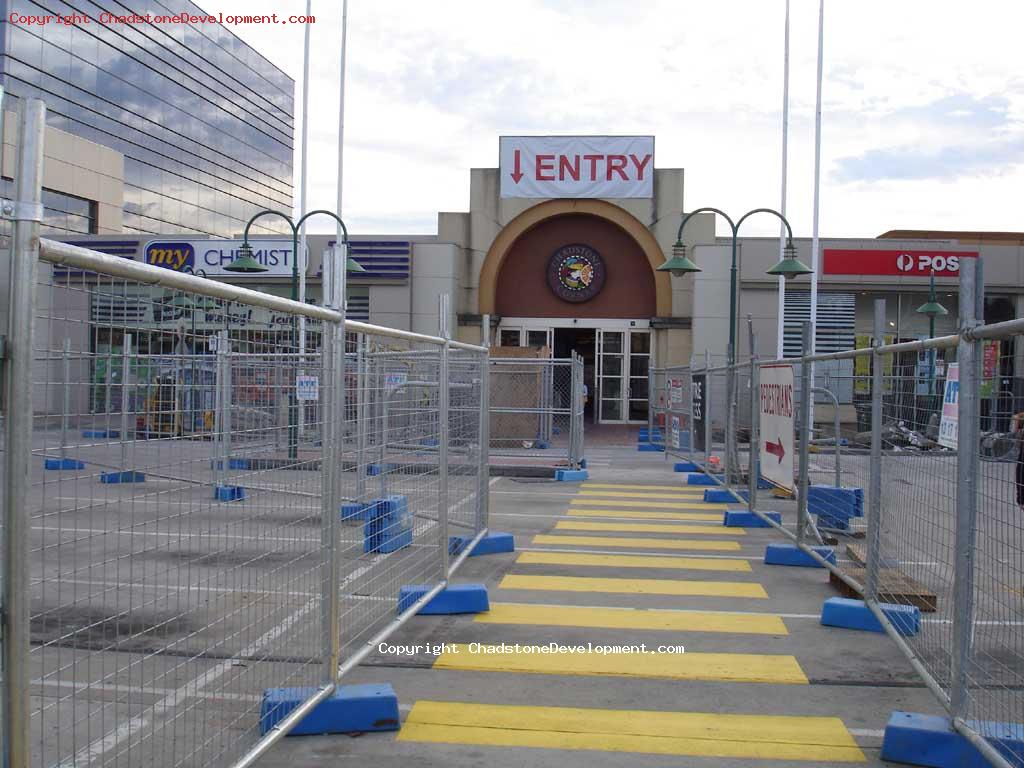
(781,330)
(815,260)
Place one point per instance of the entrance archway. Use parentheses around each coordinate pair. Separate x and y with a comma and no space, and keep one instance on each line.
(532,217)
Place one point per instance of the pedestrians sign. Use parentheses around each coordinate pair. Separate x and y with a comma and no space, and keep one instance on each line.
(949,426)
(776,425)
(673,433)
(307,387)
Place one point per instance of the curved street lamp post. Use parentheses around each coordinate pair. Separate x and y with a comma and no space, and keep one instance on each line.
(246,264)
(789,267)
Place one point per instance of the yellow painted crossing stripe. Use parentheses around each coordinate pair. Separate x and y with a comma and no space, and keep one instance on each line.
(614,486)
(709,545)
(588,502)
(633,561)
(692,734)
(708,517)
(682,587)
(687,528)
(629,618)
(721,667)
(648,496)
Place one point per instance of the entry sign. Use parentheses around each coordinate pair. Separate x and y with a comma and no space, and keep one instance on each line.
(776,425)
(577,166)
(698,410)
(949,426)
(307,387)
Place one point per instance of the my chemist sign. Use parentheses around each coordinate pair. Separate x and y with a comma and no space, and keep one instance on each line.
(212,256)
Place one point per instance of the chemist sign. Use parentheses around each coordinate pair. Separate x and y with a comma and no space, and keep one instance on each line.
(776,425)
(577,166)
(210,257)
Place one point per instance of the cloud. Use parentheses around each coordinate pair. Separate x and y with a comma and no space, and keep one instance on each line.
(958,135)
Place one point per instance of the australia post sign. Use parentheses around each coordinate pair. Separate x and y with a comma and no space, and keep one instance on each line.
(855,261)
(577,166)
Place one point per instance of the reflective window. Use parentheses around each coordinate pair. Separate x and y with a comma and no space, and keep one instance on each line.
(197,102)
(65,214)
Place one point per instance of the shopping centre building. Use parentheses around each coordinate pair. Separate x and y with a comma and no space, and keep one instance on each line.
(576,270)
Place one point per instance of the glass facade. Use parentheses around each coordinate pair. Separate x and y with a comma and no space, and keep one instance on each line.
(67,214)
(204,122)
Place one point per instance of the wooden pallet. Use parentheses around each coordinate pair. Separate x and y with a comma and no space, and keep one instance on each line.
(894,586)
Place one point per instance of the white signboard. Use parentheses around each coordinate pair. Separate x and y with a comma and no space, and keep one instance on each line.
(675,391)
(949,426)
(577,166)
(394,381)
(776,425)
(673,433)
(212,256)
(307,387)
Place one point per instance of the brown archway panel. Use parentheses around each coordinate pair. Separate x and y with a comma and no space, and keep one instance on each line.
(523,291)
(638,240)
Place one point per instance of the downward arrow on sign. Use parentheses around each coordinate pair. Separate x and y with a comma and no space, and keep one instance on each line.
(516,173)
(775,449)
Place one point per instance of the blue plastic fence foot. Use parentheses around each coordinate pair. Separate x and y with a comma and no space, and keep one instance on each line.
(571,475)
(455,598)
(541,445)
(764,485)
(790,554)
(686,466)
(388,525)
(355,511)
(101,434)
(847,613)
(741,518)
(430,441)
(700,479)
(492,544)
(583,463)
(63,464)
(376,469)
(122,477)
(650,447)
(350,709)
(229,493)
(718,496)
(232,464)
(930,740)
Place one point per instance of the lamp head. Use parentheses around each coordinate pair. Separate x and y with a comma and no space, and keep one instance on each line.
(245,263)
(790,266)
(680,264)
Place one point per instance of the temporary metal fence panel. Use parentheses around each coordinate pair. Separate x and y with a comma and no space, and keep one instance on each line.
(535,410)
(931,475)
(173,556)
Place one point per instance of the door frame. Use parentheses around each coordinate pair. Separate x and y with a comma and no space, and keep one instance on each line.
(599,325)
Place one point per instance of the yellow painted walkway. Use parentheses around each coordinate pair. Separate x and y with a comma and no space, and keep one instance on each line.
(704,517)
(721,667)
(694,734)
(629,618)
(708,545)
(812,739)
(636,586)
(634,561)
(707,530)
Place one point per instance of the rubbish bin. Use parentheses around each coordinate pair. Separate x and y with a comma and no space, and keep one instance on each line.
(863,410)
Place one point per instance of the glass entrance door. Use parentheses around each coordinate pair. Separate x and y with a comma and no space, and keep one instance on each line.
(610,379)
(623,360)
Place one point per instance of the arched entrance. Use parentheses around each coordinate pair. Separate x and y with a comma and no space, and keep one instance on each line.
(578,276)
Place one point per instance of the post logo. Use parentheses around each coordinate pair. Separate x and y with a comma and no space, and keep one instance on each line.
(926,262)
(181,257)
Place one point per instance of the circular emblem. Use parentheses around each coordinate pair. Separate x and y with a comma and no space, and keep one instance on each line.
(576,272)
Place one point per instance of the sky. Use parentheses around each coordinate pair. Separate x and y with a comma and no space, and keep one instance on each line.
(922,110)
